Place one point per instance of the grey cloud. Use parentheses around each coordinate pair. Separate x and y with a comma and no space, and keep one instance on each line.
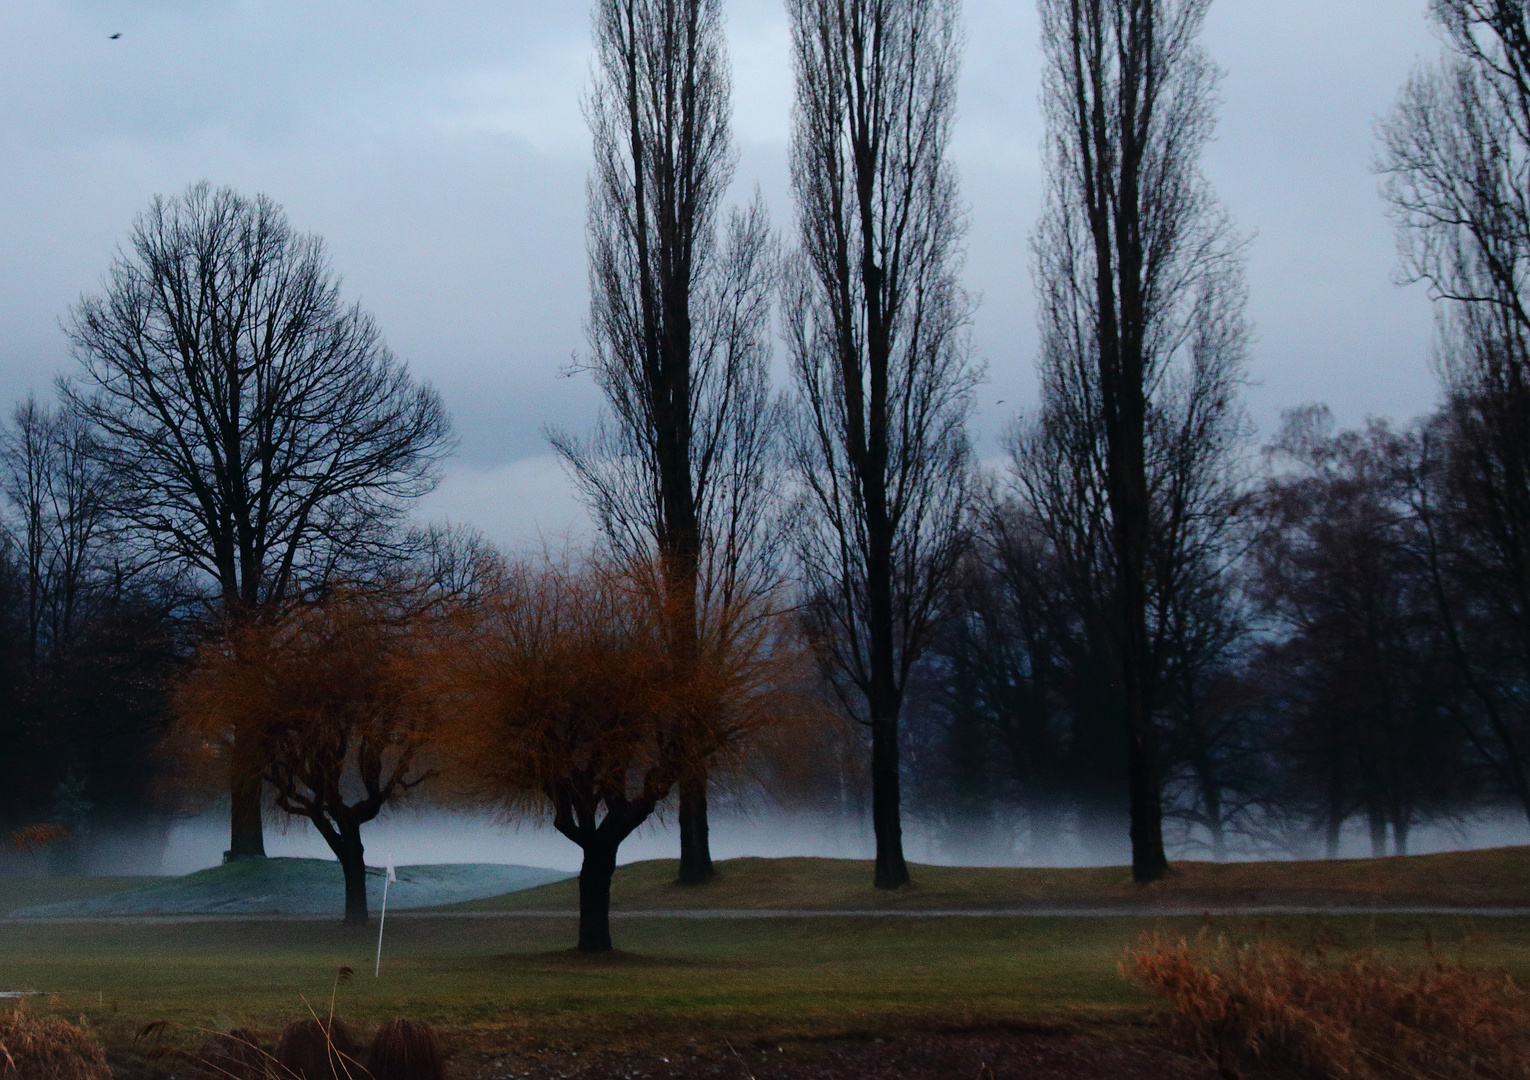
(439,149)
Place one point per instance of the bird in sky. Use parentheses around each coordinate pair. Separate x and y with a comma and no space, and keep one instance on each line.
(114,37)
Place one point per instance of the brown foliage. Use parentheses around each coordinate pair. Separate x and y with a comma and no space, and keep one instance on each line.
(562,695)
(309,686)
(47,1048)
(329,710)
(1268,1004)
(560,672)
(563,676)
(405,1050)
(315,1049)
(29,838)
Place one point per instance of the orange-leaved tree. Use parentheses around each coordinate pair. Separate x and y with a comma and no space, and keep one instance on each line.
(329,700)
(561,699)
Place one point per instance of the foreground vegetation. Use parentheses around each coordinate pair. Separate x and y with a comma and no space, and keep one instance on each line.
(496,985)
(1289,1011)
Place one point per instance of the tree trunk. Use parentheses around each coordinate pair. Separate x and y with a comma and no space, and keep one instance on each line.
(353,864)
(246,835)
(595,897)
(1211,798)
(883,701)
(1378,823)
(1128,494)
(1148,859)
(1336,793)
(695,848)
(891,869)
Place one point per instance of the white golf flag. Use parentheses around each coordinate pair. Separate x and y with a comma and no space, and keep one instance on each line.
(391,879)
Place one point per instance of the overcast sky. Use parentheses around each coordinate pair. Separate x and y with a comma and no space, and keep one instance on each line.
(440,151)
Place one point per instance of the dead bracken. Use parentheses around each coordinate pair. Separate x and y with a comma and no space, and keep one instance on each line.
(1270,1005)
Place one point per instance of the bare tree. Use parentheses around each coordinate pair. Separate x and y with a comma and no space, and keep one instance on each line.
(257,431)
(1133,256)
(680,305)
(1456,157)
(1359,679)
(876,324)
(57,491)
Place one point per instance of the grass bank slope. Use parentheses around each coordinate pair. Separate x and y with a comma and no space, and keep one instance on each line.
(296,887)
(1494,877)
(31,889)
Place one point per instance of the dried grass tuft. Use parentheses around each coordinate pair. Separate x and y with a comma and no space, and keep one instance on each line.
(1268,1005)
(235,1055)
(47,1048)
(405,1050)
(316,1049)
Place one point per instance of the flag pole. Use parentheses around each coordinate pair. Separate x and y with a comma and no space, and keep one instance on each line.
(382,918)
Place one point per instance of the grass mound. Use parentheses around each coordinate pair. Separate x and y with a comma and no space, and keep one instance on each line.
(1267,1004)
(1494,877)
(47,1048)
(298,887)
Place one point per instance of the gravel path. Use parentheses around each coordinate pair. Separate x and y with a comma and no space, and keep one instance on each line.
(1023,912)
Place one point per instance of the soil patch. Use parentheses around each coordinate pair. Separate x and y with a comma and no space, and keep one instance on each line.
(1002,1054)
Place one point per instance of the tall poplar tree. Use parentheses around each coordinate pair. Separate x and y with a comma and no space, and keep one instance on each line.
(679,320)
(876,324)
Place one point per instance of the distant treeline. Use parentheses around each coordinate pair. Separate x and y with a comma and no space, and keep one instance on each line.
(1351,649)
(1350,652)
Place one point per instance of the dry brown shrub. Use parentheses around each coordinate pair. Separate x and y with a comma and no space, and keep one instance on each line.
(235,1055)
(316,1049)
(1298,1013)
(405,1050)
(47,1048)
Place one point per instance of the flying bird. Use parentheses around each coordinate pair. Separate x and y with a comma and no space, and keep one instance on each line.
(114,37)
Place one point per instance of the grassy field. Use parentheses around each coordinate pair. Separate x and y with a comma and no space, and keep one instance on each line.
(1488,878)
(496,984)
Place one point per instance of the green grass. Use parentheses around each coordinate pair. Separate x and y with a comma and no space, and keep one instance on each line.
(1488,878)
(495,984)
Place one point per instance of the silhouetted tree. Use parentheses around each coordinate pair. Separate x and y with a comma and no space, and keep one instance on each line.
(258,434)
(96,639)
(57,492)
(1358,672)
(1456,156)
(1136,266)
(679,321)
(875,323)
